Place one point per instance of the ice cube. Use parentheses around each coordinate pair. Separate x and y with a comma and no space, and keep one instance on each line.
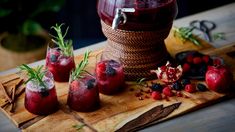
(49,83)
(64,61)
(49,75)
(33,85)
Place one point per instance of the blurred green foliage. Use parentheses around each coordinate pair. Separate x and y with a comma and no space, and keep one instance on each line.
(24,16)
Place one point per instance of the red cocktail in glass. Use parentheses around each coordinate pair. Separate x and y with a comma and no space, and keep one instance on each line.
(110,76)
(59,64)
(83,94)
(41,100)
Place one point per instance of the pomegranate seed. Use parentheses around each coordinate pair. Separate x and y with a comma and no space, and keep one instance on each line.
(163,68)
(138,94)
(147,97)
(179,94)
(140,98)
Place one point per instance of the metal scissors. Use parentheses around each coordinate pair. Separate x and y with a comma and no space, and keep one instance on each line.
(205,26)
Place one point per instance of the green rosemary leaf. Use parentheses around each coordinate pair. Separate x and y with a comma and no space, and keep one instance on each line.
(36,74)
(218,36)
(39,68)
(76,73)
(31,78)
(66,31)
(140,80)
(195,41)
(65,46)
(78,127)
(185,34)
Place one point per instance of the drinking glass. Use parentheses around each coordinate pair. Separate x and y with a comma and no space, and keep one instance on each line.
(110,75)
(41,100)
(83,93)
(59,64)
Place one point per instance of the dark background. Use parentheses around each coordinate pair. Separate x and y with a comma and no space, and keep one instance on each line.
(82,18)
(85,29)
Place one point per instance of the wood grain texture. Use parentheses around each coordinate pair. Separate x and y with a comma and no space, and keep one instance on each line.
(56,122)
(115,111)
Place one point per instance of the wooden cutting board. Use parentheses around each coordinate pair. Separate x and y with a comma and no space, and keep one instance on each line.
(121,110)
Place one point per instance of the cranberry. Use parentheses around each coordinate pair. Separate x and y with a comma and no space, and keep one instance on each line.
(156,95)
(167,91)
(190,88)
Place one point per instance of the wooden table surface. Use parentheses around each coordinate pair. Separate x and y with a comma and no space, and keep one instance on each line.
(217,117)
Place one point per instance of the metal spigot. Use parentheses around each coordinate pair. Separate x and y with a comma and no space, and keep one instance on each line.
(120,16)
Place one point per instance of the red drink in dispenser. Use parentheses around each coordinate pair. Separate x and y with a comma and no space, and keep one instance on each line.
(148,14)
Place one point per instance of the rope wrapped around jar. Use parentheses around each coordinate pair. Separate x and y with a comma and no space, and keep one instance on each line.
(139,51)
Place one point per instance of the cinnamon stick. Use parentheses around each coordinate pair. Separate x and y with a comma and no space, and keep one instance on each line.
(13,99)
(16,85)
(19,91)
(5,92)
(5,104)
(13,95)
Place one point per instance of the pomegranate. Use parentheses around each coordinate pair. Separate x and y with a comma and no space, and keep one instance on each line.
(219,78)
(167,73)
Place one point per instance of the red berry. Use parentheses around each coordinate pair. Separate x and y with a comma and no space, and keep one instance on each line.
(179,94)
(100,71)
(206,59)
(156,95)
(190,88)
(197,60)
(189,58)
(167,91)
(101,66)
(74,85)
(186,67)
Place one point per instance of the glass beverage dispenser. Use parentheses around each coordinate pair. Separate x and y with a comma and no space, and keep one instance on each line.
(136,30)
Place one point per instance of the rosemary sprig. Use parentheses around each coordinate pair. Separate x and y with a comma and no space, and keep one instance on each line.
(78,127)
(140,81)
(76,73)
(218,36)
(35,74)
(65,46)
(185,33)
